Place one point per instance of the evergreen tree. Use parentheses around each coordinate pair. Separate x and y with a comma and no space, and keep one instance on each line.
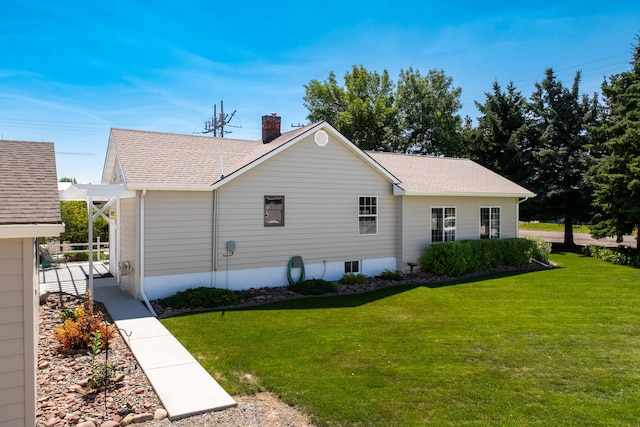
(617,176)
(499,142)
(560,151)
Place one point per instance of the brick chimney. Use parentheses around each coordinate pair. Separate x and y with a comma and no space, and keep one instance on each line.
(270,128)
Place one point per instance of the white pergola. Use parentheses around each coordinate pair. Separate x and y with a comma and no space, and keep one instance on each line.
(107,195)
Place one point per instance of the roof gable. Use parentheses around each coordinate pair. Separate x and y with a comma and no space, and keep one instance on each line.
(155,160)
(28,183)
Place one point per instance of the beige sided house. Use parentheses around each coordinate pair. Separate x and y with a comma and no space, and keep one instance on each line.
(234,213)
(29,208)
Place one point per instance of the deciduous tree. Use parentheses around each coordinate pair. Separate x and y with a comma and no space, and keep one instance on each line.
(418,115)
(363,110)
(428,117)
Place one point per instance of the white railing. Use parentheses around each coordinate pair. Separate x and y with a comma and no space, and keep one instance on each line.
(101,249)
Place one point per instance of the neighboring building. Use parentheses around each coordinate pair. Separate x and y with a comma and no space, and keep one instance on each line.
(29,208)
(232,213)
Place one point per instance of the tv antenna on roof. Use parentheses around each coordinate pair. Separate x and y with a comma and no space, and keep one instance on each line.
(218,122)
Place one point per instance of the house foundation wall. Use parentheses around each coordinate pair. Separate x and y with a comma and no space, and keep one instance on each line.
(163,286)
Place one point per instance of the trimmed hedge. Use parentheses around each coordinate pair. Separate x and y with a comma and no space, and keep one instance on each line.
(468,256)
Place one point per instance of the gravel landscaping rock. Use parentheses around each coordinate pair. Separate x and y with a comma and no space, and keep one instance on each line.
(64,398)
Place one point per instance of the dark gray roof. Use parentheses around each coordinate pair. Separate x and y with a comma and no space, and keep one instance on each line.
(28,183)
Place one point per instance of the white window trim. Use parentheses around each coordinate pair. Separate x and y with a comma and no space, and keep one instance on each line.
(351,263)
(443,227)
(480,222)
(370,215)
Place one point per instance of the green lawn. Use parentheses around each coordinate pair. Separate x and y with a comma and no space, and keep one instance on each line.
(547,226)
(557,347)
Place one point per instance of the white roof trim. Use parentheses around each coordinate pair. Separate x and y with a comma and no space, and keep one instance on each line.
(171,187)
(322,125)
(455,194)
(97,192)
(15,231)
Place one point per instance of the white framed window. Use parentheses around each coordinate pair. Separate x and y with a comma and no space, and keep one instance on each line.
(367,215)
(351,267)
(274,211)
(490,222)
(443,224)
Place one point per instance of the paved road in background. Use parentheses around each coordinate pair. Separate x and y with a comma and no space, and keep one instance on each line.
(581,239)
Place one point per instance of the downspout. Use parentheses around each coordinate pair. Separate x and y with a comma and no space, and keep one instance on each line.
(214,233)
(216,223)
(518,216)
(144,296)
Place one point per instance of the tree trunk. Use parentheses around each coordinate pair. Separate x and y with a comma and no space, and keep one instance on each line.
(568,231)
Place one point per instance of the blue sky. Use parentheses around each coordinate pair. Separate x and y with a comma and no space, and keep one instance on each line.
(70,73)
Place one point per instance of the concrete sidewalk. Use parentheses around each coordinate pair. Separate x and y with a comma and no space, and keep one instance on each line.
(184,387)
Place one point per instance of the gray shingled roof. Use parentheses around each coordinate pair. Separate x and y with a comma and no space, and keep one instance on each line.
(28,183)
(173,159)
(154,158)
(446,176)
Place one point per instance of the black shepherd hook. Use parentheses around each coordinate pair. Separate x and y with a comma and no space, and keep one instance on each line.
(106,364)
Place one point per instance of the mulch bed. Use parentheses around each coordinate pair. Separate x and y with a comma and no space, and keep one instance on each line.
(258,296)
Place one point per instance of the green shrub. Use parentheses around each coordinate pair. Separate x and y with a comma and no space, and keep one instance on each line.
(620,255)
(391,275)
(101,372)
(313,287)
(516,251)
(447,259)
(78,256)
(540,249)
(457,258)
(203,297)
(70,313)
(352,279)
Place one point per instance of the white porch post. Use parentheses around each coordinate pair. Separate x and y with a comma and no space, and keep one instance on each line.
(90,211)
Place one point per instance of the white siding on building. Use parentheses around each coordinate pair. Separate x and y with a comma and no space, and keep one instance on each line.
(321,186)
(417,220)
(178,232)
(128,217)
(18,335)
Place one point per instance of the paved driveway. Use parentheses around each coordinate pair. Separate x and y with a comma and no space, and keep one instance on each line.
(582,239)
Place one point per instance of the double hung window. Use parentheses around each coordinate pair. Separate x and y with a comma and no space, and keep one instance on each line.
(443,224)
(367,215)
(490,222)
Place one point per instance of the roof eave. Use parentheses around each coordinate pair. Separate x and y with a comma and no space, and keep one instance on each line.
(16,231)
(170,187)
(466,194)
